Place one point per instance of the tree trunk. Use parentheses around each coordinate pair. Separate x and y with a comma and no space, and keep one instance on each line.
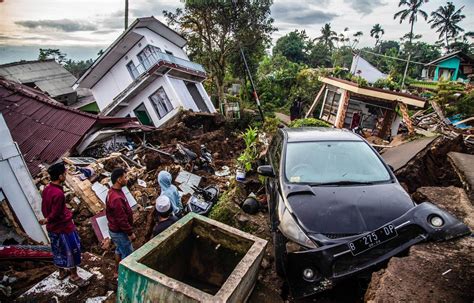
(220,91)
(447,43)
(411,32)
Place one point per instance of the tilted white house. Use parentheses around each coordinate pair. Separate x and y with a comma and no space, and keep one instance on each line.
(145,73)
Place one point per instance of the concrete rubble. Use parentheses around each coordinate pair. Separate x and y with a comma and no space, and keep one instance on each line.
(143,165)
(431,169)
(432,272)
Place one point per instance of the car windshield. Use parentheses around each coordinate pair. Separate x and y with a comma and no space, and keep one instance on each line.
(333,162)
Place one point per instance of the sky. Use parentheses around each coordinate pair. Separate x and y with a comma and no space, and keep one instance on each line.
(81,28)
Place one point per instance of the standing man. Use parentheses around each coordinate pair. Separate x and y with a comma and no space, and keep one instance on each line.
(120,217)
(65,242)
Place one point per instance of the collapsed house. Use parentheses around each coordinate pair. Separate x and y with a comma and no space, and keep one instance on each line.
(49,77)
(145,73)
(36,132)
(349,105)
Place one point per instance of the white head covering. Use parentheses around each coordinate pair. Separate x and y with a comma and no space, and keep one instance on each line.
(163,204)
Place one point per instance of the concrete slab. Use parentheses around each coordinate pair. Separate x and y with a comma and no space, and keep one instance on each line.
(197,259)
(434,271)
(51,287)
(463,164)
(400,155)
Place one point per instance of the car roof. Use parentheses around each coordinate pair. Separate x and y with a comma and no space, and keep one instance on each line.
(319,134)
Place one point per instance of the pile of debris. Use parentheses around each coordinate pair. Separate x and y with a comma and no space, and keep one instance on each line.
(88,180)
(433,120)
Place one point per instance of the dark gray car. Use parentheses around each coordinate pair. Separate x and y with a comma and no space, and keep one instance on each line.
(336,208)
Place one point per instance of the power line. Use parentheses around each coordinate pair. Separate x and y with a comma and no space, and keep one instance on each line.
(395,58)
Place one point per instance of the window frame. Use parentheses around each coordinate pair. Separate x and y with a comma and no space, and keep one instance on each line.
(155,105)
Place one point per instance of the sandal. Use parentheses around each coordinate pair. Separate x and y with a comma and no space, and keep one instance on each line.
(79,282)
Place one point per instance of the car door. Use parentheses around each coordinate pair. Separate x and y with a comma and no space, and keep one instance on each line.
(272,184)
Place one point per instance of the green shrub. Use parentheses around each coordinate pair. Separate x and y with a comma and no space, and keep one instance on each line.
(249,156)
(311,122)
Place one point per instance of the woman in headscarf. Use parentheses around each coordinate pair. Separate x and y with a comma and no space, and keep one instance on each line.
(169,190)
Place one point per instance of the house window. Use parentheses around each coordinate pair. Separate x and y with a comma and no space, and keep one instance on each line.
(142,114)
(132,70)
(148,56)
(161,103)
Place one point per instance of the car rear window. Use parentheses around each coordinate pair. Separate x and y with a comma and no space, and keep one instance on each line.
(332,162)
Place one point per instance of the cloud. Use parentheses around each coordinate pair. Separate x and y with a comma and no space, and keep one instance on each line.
(65,25)
(365,7)
(155,8)
(104,32)
(300,13)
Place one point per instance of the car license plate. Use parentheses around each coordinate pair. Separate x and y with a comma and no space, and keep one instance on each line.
(372,239)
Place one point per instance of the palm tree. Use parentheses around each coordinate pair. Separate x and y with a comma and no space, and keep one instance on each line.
(412,11)
(377,32)
(356,38)
(327,36)
(446,18)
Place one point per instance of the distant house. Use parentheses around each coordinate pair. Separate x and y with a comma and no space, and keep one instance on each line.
(48,76)
(145,73)
(362,67)
(456,66)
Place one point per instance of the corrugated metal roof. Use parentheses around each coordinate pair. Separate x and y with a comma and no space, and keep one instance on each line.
(43,129)
(50,76)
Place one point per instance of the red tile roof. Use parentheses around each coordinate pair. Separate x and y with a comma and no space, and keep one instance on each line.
(44,129)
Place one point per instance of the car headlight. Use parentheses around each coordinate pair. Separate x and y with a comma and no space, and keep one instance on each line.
(291,229)
(436,221)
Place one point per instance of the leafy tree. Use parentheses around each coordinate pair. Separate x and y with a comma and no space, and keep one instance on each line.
(384,46)
(216,29)
(319,56)
(445,19)
(276,76)
(294,46)
(328,36)
(77,68)
(50,53)
(342,57)
(412,11)
(377,32)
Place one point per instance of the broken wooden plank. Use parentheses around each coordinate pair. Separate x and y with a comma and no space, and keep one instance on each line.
(316,101)
(83,189)
(464,121)
(79,160)
(406,118)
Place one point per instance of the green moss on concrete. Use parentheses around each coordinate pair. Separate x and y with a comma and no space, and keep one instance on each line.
(227,207)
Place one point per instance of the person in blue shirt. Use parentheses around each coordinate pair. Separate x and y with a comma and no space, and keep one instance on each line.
(169,190)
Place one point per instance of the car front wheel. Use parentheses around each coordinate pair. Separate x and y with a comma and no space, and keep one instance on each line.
(279,249)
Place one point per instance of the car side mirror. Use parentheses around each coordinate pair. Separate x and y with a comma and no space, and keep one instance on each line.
(266,170)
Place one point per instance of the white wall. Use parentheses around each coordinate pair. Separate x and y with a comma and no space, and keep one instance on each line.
(153,38)
(142,97)
(206,98)
(18,187)
(183,93)
(118,77)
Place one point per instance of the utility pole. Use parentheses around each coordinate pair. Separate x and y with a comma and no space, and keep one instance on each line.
(126,14)
(406,70)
